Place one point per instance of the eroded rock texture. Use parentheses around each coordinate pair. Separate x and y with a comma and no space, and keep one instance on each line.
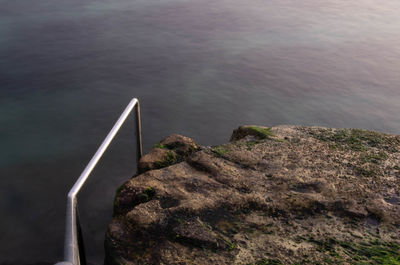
(280,195)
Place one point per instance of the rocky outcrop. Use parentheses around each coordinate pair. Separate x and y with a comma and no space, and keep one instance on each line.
(173,149)
(280,195)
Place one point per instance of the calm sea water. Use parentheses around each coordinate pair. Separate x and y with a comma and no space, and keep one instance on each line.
(200,68)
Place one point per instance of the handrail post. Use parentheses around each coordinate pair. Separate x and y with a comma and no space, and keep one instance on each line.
(138,133)
(73,247)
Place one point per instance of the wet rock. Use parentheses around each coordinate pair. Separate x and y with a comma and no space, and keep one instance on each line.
(279,195)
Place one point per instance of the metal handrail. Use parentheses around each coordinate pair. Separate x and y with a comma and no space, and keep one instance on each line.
(73,248)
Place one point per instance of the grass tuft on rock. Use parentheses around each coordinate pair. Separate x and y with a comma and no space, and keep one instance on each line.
(230,246)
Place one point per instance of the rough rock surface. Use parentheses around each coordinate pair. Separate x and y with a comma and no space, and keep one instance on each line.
(280,195)
(174,148)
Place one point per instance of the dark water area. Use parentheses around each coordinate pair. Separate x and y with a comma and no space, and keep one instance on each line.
(199,68)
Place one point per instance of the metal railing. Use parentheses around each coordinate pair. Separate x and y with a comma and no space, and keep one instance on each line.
(73,248)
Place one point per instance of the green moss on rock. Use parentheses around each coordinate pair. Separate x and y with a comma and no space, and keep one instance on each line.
(257,132)
(262,133)
(160,145)
(220,150)
(357,139)
(170,159)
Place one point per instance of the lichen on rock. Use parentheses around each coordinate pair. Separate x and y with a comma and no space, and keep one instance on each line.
(279,195)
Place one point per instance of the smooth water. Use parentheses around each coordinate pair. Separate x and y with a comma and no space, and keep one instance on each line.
(199,68)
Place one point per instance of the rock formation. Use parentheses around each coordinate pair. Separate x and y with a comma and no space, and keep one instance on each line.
(280,195)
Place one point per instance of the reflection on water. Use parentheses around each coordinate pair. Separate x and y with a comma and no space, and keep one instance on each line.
(200,68)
